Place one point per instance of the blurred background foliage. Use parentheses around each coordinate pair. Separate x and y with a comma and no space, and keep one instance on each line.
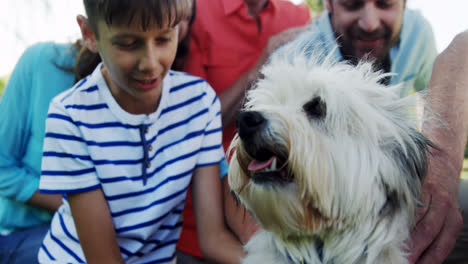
(316,6)
(3,81)
(466,151)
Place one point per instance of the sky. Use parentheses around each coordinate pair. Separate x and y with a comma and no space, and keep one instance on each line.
(25,22)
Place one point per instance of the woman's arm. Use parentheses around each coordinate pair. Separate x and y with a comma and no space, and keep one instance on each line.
(94,226)
(49,202)
(18,181)
(217,243)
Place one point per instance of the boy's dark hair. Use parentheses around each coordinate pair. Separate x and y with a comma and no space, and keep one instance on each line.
(85,61)
(162,12)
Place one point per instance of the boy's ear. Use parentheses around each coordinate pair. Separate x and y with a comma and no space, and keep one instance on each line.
(89,39)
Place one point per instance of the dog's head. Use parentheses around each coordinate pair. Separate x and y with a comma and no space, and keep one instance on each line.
(322,146)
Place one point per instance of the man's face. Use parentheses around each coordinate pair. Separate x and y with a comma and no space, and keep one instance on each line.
(366,28)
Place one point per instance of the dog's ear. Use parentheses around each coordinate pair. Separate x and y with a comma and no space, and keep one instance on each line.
(415,161)
(412,159)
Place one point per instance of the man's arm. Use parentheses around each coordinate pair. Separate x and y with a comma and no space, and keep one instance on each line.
(440,221)
(232,98)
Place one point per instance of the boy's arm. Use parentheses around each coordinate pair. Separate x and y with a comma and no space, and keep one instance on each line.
(217,243)
(94,227)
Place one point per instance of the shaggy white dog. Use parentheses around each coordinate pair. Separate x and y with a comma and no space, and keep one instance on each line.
(329,163)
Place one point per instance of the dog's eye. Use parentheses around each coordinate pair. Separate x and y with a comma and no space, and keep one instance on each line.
(315,108)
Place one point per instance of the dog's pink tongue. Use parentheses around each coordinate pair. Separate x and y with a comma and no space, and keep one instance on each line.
(256,165)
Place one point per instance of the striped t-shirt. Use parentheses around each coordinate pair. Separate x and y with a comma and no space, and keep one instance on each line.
(143,163)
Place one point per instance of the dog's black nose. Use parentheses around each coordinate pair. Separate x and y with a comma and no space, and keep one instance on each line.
(248,123)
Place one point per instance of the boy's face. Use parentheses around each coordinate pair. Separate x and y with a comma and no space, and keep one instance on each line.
(136,61)
(366,27)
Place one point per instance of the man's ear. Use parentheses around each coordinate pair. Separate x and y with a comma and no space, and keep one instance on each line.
(328,5)
(89,38)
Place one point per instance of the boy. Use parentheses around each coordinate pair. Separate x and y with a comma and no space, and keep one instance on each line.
(125,142)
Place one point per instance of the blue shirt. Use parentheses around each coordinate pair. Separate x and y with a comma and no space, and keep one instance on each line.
(34,82)
(142,163)
(411,58)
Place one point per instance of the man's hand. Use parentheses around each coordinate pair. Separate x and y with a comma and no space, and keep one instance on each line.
(439,219)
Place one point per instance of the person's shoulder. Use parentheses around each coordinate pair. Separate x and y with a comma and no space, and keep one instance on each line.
(415,19)
(33,54)
(416,28)
(458,45)
(48,50)
(297,10)
(209,7)
(37,68)
(46,57)
(461,39)
(39,47)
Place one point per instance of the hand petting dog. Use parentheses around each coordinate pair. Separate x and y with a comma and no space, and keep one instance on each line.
(439,220)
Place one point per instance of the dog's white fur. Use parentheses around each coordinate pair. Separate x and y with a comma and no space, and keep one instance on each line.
(353,162)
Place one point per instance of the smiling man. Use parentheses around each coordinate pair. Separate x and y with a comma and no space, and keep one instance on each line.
(366,28)
(398,40)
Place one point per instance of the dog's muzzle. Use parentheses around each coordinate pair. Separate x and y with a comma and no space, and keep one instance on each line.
(268,163)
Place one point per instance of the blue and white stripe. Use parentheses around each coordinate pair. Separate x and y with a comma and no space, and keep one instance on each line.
(143,163)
